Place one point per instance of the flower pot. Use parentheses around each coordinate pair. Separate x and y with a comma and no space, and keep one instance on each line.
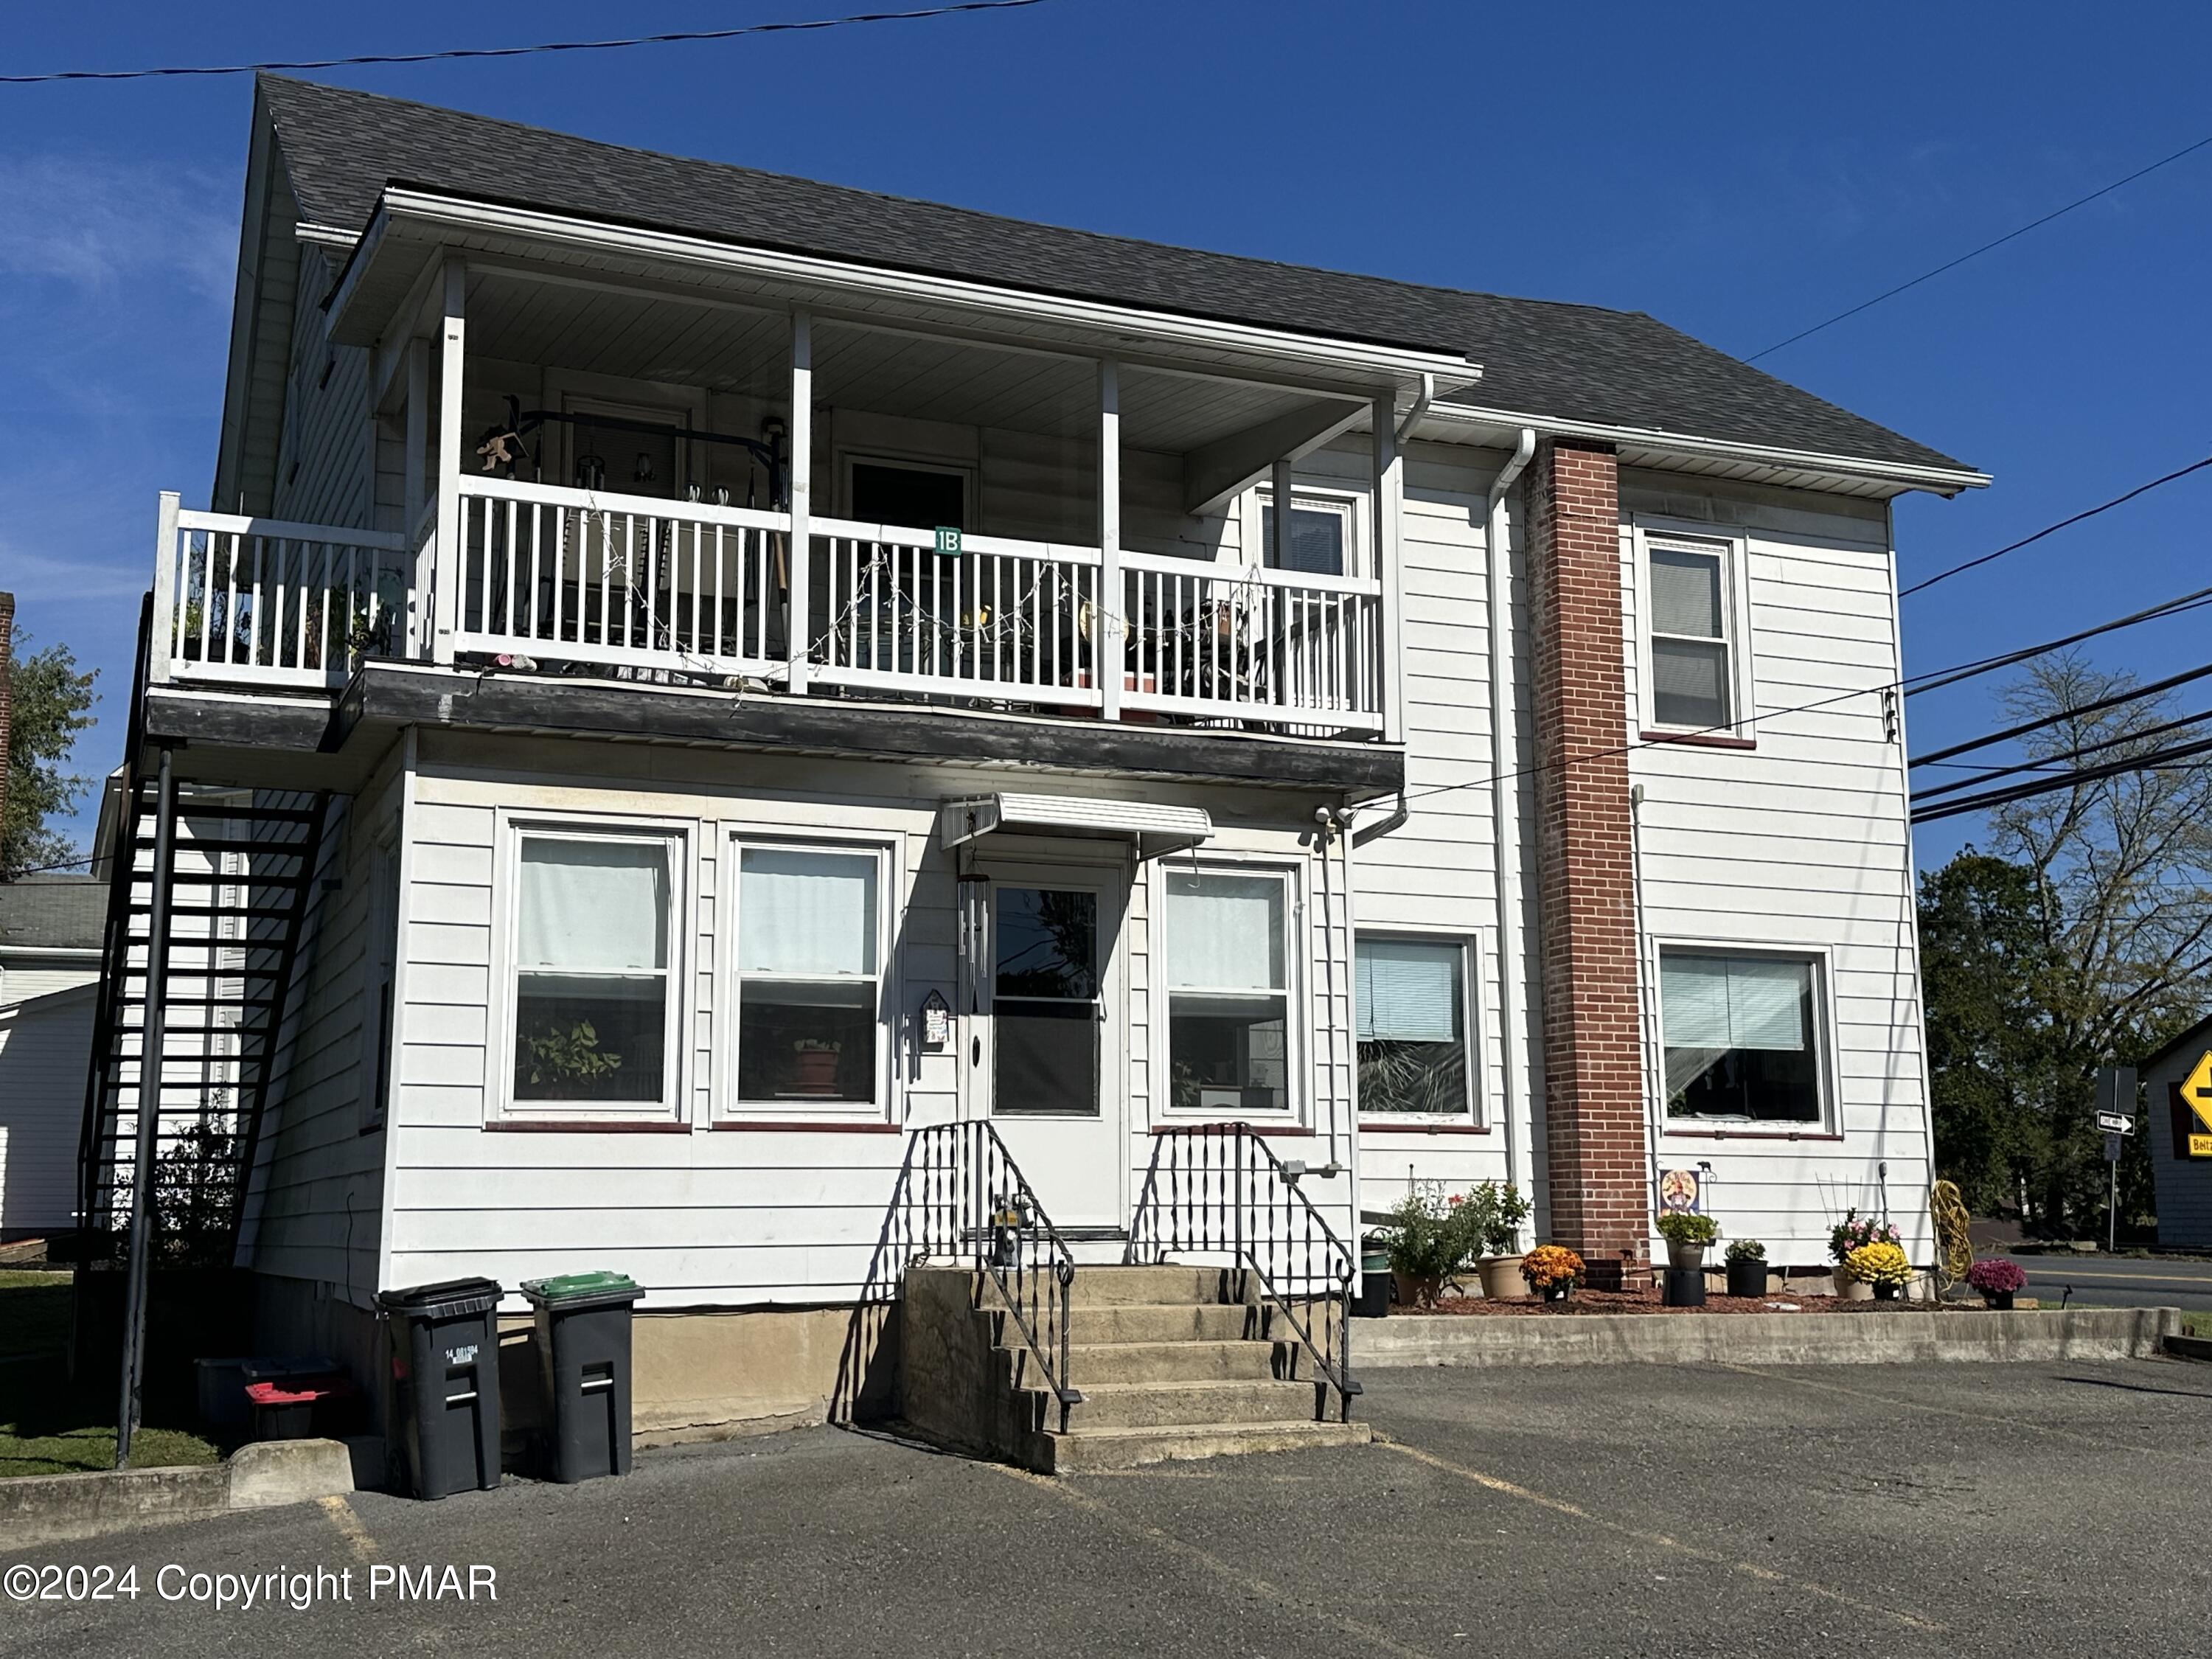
(1501,1277)
(1849,1288)
(1558,1292)
(1997,1301)
(1414,1292)
(1681,1255)
(1746,1279)
(1885,1292)
(814,1072)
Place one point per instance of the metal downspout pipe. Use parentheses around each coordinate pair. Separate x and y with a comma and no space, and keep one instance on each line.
(1504,811)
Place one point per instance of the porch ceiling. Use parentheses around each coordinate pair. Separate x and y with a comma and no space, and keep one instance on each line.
(717,346)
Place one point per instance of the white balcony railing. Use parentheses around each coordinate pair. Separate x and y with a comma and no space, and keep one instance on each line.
(636,584)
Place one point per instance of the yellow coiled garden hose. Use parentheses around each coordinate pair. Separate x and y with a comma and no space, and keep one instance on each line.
(1955,1249)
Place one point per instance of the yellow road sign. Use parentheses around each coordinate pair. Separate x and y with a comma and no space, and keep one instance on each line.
(2197,1090)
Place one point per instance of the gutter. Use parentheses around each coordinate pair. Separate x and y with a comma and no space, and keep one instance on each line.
(1505,797)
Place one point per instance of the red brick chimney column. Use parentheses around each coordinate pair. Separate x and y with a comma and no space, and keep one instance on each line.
(7,690)
(1593,1053)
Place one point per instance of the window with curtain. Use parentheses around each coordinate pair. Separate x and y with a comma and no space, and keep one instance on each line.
(1228,993)
(809,977)
(1411,996)
(592,987)
(1691,671)
(1743,1037)
(1321,538)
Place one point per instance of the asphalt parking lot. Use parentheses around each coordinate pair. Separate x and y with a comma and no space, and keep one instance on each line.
(1626,1510)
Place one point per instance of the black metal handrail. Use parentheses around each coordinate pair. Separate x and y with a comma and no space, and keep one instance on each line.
(962,1196)
(1218,1189)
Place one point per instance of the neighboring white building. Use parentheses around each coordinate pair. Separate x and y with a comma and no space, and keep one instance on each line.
(667,888)
(50,939)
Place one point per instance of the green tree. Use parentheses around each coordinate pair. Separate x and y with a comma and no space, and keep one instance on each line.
(2082,936)
(51,704)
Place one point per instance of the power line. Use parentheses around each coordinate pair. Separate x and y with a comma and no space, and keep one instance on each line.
(2019,791)
(676,38)
(2133,693)
(2010,235)
(2044,762)
(2053,529)
(1936,679)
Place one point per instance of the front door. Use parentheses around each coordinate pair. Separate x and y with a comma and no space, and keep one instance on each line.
(1048,1057)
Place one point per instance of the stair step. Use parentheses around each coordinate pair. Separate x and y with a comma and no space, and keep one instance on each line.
(1189,1361)
(1161,1322)
(1107,1287)
(1085,1450)
(1150,1405)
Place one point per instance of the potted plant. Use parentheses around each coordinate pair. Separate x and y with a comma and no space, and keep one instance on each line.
(1998,1279)
(814,1065)
(1429,1239)
(1500,1210)
(1882,1265)
(1746,1267)
(1848,1235)
(1688,1237)
(1553,1271)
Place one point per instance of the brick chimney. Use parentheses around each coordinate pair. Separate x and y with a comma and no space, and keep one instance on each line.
(1587,944)
(7,690)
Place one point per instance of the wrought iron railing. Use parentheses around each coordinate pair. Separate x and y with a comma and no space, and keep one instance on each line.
(962,1198)
(1217,1189)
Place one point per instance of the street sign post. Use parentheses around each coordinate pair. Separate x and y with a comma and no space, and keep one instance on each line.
(2115,1117)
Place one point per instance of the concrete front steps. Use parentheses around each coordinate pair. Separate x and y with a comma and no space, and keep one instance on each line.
(1172,1363)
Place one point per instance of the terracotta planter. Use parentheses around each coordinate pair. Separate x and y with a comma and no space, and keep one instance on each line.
(814,1072)
(1746,1279)
(1501,1277)
(1685,1255)
(1416,1292)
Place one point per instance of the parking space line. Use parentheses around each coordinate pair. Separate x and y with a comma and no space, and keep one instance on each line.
(349,1528)
(1658,1540)
(1213,1564)
(2003,1421)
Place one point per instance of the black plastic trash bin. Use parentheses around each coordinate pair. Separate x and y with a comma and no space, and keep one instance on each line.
(445,1360)
(583,1344)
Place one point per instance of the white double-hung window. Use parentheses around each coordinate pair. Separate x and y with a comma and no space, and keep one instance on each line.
(1696,659)
(809,973)
(1743,1036)
(1412,1027)
(1229,1004)
(591,991)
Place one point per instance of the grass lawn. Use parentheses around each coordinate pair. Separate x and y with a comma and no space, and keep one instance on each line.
(2196,1324)
(48,1426)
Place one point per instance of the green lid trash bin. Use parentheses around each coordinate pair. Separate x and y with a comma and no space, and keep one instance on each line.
(584,1348)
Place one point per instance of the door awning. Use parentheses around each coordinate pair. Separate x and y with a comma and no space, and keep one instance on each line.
(1156,828)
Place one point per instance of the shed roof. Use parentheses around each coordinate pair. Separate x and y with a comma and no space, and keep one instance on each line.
(52,913)
(1544,359)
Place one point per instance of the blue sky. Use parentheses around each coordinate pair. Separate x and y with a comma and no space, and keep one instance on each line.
(1738,171)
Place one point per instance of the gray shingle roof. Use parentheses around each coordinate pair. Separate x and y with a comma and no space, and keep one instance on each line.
(52,913)
(1559,361)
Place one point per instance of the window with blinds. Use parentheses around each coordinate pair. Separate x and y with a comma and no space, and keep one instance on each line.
(1693,675)
(1228,993)
(1411,1003)
(1743,1037)
(591,991)
(809,975)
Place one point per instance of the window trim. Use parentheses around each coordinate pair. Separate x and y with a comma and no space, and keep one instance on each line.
(1825,1074)
(1475,956)
(511,829)
(1309,492)
(728,1110)
(1298,1010)
(967,472)
(1733,548)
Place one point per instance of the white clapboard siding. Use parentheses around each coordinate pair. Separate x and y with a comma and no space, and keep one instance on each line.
(327,448)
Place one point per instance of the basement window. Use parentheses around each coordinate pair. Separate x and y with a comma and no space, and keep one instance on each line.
(1742,1037)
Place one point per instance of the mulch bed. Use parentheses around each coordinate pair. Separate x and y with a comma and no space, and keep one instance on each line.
(1647,1302)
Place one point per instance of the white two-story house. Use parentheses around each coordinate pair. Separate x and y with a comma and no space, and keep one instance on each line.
(764,709)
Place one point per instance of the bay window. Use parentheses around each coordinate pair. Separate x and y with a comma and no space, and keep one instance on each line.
(1413,1027)
(593,1002)
(1743,1037)
(809,976)
(1229,1029)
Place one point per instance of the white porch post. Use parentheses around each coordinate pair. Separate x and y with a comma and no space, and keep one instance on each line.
(1280,488)
(451,367)
(415,494)
(1388,500)
(161,649)
(1108,649)
(802,485)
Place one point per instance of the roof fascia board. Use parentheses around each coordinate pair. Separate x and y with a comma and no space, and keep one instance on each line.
(246,305)
(1947,481)
(1393,362)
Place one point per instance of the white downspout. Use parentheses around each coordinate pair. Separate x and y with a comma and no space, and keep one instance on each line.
(1504,812)
(1421,402)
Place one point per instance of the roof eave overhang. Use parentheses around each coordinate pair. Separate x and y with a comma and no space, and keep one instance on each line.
(1685,452)
(386,262)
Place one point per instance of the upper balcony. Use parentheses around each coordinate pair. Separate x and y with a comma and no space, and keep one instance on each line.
(612,480)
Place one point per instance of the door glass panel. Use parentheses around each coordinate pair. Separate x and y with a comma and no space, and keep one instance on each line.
(1044,1004)
(907,496)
